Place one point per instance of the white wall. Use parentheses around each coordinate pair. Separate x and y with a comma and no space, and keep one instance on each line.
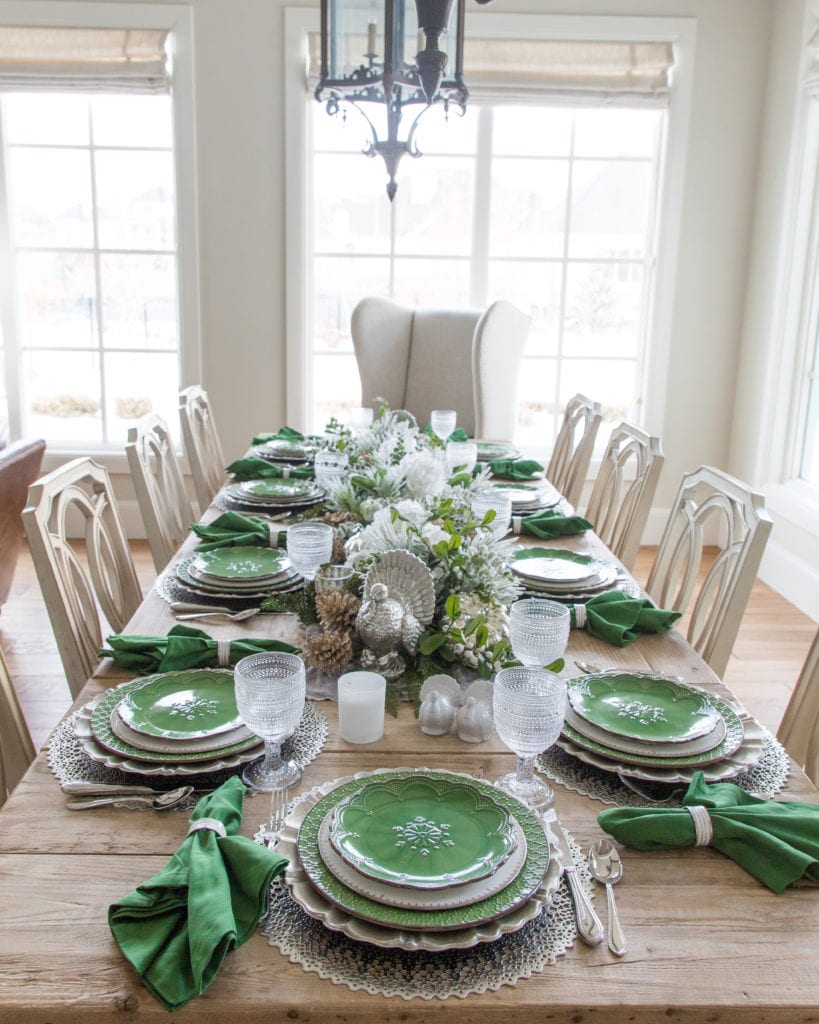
(241,203)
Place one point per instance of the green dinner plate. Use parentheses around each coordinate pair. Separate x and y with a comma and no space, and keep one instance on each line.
(105,736)
(241,563)
(535,866)
(643,707)
(182,705)
(282,489)
(559,567)
(487,451)
(423,833)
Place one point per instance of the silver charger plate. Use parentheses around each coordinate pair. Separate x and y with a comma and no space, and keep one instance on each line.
(419,899)
(337,919)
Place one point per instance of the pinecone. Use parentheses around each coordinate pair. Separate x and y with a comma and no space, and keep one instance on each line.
(338,555)
(329,651)
(336,518)
(337,609)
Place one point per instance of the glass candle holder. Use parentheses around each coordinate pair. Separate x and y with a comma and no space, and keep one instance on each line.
(494,501)
(330,466)
(333,577)
(309,545)
(461,455)
(361,701)
(538,631)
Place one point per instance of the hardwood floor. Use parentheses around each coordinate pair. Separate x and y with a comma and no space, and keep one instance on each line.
(771,647)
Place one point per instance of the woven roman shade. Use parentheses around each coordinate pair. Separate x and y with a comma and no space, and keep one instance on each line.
(519,70)
(39,59)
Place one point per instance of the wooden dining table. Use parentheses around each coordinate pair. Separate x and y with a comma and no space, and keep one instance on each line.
(706,941)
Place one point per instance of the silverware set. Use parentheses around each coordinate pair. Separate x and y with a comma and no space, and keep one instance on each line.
(91,794)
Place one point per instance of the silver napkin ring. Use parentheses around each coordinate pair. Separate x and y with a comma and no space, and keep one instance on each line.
(703,829)
(273,531)
(517,524)
(223,653)
(285,472)
(210,825)
(580,616)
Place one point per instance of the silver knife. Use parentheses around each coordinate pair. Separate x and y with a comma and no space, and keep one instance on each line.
(589,927)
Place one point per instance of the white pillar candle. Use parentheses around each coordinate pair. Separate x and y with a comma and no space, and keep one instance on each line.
(361,697)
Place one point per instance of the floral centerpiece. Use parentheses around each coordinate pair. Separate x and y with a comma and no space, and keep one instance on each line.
(399,496)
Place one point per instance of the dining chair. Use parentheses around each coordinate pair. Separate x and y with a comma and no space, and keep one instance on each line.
(574,445)
(159,486)
(202,446)
(80,580)
(16,746)
(19,467)
(799,729)
(624,490)
(712,510)
(425,359)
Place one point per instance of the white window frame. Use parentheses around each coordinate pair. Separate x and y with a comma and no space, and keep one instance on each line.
(178,20)
(681,32)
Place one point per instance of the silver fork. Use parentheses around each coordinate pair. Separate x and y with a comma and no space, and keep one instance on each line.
(278,808)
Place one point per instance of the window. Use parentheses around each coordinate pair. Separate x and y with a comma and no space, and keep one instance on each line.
(91,207)
(809,462)
(551,207)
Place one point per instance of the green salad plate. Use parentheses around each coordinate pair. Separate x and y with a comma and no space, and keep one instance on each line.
(488,451)
(182,705)
(556,567)
(279,490)
(240,563)
(423,833)
(643,707)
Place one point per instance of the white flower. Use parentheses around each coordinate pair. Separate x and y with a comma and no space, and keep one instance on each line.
(433,534)
(425,474)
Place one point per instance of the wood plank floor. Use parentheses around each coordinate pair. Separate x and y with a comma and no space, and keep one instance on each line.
(772,645)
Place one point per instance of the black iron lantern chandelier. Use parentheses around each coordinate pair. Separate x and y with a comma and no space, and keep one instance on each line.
(364,60)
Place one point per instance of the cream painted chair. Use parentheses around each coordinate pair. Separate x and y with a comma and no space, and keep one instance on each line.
(159,486)
(425,359)
(624,490)
(202,446)
(711,509)
(78,582)
(573,448)
(799,728)
(16,748)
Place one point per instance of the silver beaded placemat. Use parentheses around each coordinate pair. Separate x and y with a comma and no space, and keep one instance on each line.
(765,779)
(69,762)
(422,975)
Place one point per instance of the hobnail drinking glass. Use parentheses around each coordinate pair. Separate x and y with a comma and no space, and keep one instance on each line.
(461,454)
(443,422)
(329,466)
(529,705)
(538,631)
(270,691)
(309,545)
(499,503)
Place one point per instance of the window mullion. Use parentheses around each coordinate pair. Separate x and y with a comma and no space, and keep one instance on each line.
(479,269)
(92,157)
(9,318)
(564,279)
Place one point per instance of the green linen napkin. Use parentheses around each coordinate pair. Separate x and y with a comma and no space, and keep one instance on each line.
(285,434)
(183,647)
(232,529)
(548,523)
(515,469)
(775,841)
(176,928)
(620,619)
(254,468)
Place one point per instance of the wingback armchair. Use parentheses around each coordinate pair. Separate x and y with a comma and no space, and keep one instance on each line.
(425,359)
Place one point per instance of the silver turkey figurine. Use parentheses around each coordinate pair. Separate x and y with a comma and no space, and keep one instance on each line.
(386,626)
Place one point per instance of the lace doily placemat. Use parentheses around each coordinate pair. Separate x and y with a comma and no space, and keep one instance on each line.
(422,975)
(69,762)
(170,589)
(765,779)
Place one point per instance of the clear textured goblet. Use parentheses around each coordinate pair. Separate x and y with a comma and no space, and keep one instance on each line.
(443,422)
(461,454)
(538,631)
(309,545)
(499,503)
(529,705)
(270,691)
(330,466)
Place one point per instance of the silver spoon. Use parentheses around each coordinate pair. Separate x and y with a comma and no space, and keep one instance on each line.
(247,613)
(162,802)
(607,868)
